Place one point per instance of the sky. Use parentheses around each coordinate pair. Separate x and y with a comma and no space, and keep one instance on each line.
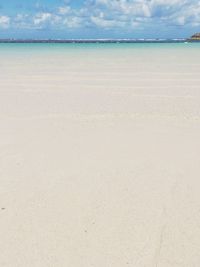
(65,19)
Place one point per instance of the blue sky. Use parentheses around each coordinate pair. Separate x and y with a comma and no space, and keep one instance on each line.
(99,18)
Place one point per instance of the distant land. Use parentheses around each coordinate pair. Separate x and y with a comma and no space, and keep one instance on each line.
(93,40)
(193,38)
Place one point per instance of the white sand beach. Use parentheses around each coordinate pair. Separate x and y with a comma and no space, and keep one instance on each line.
(100,157)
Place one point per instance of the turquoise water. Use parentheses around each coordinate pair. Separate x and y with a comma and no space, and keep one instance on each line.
(142,54)
(46,47)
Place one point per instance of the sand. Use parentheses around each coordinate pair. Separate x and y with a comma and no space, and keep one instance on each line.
(100,158)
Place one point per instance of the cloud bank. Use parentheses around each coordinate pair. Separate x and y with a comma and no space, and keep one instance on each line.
(104,15)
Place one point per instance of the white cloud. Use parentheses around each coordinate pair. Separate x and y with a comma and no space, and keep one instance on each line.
(73,22)
(181,20)
(4,22)
(111,14)
(187,15)
(41,18)
(172,12)
(105,23)
(64,10)
(44,19)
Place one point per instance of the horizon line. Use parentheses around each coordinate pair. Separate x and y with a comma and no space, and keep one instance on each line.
(91,40)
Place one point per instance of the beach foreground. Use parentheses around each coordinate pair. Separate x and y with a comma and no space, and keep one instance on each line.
(100,156)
